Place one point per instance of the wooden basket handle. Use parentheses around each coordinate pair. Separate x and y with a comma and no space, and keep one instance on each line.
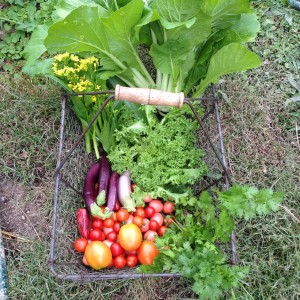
(149,96)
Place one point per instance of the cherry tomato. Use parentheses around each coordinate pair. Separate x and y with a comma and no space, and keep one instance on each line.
(80,244)
(117,205)
(132,252)
(129,220)
(119,262)
(157,205)
(158,218)
(161,231)
(145,226)
(138,221)
(150,235)
(95,235)
(122,215)
(116,249)
(147,252)
(98,255)
(130,237)
(168,207)
(114,216)
(108,223)
(117,227)
(147,199)
(112,236)
(84,261)
(107,230)
(149,212)
(97,224)
(153,225)
(131,260)
(139,212)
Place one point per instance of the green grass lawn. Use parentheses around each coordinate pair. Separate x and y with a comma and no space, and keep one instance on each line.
(261,137)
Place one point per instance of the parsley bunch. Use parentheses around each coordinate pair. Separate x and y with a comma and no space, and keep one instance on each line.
(193,245)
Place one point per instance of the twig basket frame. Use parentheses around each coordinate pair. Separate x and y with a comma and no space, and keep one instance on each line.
(63,262)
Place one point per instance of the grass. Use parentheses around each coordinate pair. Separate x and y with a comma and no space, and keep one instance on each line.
(262,146)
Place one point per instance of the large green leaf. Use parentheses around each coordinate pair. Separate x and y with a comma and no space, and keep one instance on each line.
(35,47)
(229,59)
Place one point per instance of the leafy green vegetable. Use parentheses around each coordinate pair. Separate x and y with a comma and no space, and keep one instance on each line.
(159,153)
(193,245)
(187,39)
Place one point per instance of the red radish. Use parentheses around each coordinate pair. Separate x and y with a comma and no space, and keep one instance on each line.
(157,205)
(153,225)
(161,231)
(129,220)
(107,242)
(107,230)
(83,220)
(147,199)
(158,218)
(149,212)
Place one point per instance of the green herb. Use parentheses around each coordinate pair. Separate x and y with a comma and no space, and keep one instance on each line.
(194,245)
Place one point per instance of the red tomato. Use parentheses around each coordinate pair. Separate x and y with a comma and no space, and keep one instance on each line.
(147,199)
(149,212)
(158,218)
(95,235)
(133,252)
(131,261)
(157,205)
(114,216)
(98,255)
(97,224)
(150,235)
(168,207)
(145,226)
(130,237)
(112,236)
(153,225)
(139,212)
(122,215)
(161,231)
(119,262)
(80,244)
(138,221)
(107,230)
(108,223)
(116,249)
(117,227)
(147,252)
(117,205)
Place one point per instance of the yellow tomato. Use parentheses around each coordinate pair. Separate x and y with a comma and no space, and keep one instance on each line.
(98,255)
(130,237)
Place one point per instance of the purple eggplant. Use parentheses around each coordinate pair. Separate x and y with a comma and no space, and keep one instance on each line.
(90,181)
(113,191)
(103,180)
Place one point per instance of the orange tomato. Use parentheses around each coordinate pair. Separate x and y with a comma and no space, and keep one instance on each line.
(98,255)
(147,252)
(130,237)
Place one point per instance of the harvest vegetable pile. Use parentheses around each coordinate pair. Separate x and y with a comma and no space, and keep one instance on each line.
(174,46)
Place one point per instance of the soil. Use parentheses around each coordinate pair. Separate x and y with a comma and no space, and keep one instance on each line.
(21,215)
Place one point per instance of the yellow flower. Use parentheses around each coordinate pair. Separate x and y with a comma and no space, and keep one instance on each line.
(94,98)
(74,57)
(60,57)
